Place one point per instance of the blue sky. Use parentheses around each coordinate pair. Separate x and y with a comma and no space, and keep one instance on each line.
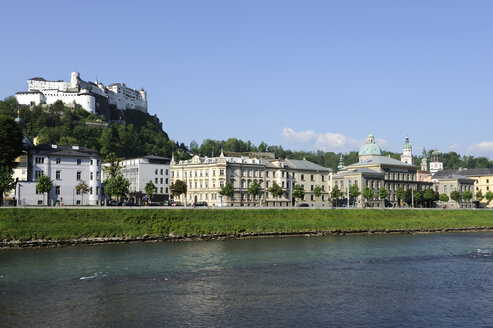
(303,74)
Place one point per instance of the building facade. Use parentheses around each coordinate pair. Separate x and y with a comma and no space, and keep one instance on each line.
(66,166)
(140,170)
(205,177)
(92,96)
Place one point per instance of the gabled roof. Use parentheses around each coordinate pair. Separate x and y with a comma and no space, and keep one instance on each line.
(304,165)
(455,177)
(382,160)
(361,170)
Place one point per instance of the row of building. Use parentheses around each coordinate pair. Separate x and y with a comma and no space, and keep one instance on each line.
(68,166)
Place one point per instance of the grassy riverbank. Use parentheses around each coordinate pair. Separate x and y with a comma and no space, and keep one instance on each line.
(62,224)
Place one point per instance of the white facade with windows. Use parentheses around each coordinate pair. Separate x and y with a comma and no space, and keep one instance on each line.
(139,171)
(66,167)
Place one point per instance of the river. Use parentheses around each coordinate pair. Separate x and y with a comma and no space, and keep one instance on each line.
(428,280)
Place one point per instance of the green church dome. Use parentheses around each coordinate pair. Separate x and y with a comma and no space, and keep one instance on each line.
(370,148)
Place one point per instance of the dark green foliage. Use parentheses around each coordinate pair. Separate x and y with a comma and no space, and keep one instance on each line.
(254,188)
(368,193)
(456,195)
(444,198)
(44,184)
(317,191)
(150,189)
(354,191)
(479,196)
(298,192)
(57,124)
(7,182)
(382,193)
(178,187)
(467,195)
(275,190)
(227,190)
(488,196)
(116,187)
(336,193)
(10,141)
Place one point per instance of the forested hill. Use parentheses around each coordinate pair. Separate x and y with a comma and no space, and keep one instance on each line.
(136,134)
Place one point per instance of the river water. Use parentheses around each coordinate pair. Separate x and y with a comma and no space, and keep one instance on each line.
(430,280)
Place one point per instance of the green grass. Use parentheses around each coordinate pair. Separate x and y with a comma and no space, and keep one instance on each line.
(60,224)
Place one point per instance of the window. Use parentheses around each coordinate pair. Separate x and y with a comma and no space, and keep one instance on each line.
(444,188)
(58,160)
(155,171)
(167,181)
(221,172)
(57,190)
(166,171)
(161,190)
(78,161)
(40,160)
(38,173)
(323,178)
(92,175)
(221,184)
(97,190)
(58,175)
(302,177)
(312,178)
(161,181)
(155,180)
(311,187)
(90,191)
(311,197)
(166,190)
(487,180)
(451,188)
(91,161)
(161,171)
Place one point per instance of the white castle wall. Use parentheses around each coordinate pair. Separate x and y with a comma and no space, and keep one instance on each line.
(79,91)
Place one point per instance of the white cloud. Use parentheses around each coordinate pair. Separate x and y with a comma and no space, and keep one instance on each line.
(336,141)
(454,146)
(485,147)
(303,137)
(328,141)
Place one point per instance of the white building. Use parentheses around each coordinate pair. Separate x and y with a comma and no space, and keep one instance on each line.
(66,166)
(139,171)
(92,96)
(407,153)
(435,163)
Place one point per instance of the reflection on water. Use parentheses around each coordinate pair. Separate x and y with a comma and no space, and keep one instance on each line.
(381,281)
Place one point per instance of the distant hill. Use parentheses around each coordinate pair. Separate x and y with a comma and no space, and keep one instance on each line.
(127,133)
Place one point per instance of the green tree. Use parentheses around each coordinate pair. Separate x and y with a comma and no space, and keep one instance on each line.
(254,189)
(489,196)
(117,187)
(418,197)
(179,187)
(336,193)
(429,197)
(456,195)
(443,198)
(467,195)
(383,193)
(10,141)
(275,190)
(44,185)
(317,191)
(401,194)
(354,191)
(227,190)
(150,189)
(7,182)
(298,192)
(479,196)
(114,167)
(81,189)
(368,193)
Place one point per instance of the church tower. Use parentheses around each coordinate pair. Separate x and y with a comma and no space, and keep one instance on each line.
(424,161)
(407,152)
(435,164)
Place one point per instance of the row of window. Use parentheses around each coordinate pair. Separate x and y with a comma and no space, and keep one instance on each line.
(58,160)
(160,180)
(161,171)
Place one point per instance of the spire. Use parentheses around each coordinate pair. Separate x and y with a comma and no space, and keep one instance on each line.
(341,166)
(222,153)
(173,162)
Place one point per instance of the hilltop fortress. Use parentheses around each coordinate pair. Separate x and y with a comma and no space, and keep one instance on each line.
(92,96)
